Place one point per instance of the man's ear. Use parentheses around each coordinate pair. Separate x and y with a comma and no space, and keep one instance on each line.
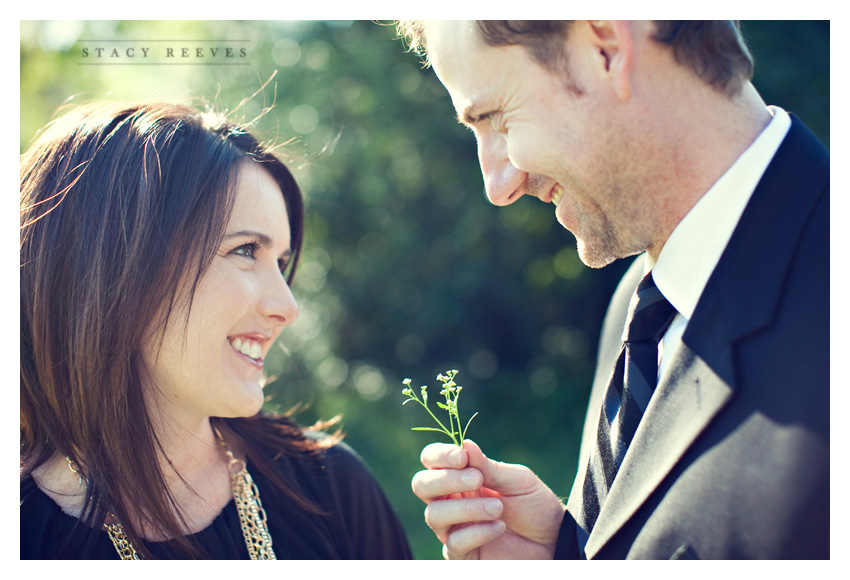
(613,39)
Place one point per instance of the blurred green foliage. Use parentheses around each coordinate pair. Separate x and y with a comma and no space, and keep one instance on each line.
(408,271)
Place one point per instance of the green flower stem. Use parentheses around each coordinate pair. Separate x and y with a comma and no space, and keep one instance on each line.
(442,427)
(451,393)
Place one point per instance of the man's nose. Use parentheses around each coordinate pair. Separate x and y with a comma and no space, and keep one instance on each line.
(503,182)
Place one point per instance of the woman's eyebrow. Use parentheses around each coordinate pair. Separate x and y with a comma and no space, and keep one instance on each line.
(261,238)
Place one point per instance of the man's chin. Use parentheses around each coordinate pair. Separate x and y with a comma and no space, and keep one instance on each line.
(592,253)
(593,257)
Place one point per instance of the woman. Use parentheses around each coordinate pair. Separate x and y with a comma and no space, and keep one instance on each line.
(157,248)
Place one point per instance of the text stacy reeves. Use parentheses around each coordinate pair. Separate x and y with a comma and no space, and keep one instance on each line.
(164,52)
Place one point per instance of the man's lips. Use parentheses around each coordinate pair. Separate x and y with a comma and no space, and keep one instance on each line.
(557,194)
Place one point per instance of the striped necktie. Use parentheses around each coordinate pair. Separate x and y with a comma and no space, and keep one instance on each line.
(627,396)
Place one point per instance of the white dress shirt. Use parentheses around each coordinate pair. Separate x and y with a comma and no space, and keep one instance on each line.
(693,249)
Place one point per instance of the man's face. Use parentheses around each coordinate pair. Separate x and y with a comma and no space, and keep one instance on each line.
(558,137)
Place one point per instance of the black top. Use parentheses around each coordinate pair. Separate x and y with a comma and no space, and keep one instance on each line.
(360,523)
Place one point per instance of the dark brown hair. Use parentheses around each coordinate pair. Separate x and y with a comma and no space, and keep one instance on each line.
(121,205)
(713,49)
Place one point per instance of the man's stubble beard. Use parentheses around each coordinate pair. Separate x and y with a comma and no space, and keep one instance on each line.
(609,234)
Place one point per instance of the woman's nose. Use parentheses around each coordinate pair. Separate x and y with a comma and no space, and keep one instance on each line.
(278,303)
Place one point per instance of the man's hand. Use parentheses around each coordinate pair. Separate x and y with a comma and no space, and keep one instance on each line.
(484,509)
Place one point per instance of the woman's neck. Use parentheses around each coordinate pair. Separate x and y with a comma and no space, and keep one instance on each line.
(195,469)
(193,464)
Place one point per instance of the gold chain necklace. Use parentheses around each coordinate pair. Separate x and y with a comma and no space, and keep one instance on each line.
(246,496)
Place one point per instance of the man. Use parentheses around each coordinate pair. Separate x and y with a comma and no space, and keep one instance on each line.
(648,138)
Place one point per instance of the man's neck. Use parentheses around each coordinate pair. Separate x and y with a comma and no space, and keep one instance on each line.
(706,135)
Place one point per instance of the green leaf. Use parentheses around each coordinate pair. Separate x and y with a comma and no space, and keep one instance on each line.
(463,435)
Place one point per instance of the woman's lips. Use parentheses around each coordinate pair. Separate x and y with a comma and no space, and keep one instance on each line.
(249,349)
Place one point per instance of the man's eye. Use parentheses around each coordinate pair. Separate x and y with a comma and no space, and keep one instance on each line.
(496,123)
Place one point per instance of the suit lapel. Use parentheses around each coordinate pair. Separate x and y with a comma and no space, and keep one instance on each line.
(684,403)
(739,298)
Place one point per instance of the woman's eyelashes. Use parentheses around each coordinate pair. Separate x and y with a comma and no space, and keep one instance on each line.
(250,250)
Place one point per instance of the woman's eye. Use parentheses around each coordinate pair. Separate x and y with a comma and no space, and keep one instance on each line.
(246,250)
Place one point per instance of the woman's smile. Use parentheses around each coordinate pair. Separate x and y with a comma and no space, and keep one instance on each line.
(242,298)
(247,349)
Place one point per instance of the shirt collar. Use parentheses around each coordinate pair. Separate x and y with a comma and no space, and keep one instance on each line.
(693,249)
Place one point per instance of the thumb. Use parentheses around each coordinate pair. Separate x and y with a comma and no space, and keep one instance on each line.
(505,478)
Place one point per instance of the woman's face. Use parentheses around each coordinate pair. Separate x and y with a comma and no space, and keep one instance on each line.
(212,365)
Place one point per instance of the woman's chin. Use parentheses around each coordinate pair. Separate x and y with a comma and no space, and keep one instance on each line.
(247,404)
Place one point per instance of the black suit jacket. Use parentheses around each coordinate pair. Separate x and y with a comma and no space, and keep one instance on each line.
(731,459)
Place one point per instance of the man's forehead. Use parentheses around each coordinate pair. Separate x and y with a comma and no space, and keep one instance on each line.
(448,41)
(455,51)
(443,31)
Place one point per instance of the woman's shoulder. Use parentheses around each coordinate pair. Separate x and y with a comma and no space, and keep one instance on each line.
(37,509)
(337,457)
(45,530)
(337,478)
(319,463)
(312,450)
(34,514)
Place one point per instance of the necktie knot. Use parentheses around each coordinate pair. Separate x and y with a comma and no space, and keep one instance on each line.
(649,313)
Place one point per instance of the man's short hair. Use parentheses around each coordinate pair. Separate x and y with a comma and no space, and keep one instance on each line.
(713,49)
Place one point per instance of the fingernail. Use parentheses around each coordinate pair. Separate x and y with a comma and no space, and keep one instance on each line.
(471,478)
(493,507)
(456,458)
